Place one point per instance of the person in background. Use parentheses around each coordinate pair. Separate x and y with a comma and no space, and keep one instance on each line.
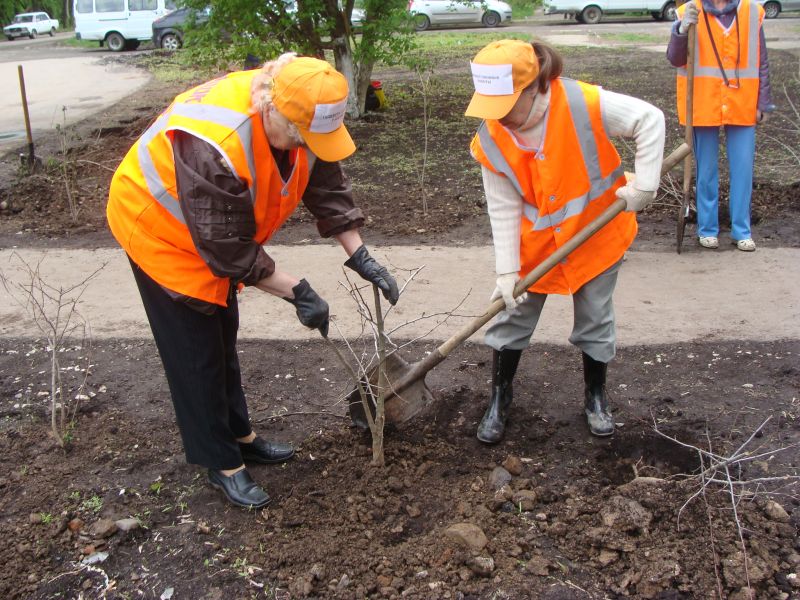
(210,181)
(731,90)
(549,168)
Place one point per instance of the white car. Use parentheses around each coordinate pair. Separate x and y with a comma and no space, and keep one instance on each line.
(454,12)
(30,25)
(772,8)
(592,11)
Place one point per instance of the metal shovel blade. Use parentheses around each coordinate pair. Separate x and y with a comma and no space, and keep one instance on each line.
(398,407)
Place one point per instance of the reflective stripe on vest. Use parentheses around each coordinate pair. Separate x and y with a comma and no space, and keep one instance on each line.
(236,121)
(748,71)
(598,185)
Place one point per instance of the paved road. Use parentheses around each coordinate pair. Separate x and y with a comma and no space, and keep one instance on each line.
(661,298)
(63,85)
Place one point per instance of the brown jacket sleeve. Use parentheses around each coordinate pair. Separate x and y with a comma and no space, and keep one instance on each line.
(218,212)
(329,197)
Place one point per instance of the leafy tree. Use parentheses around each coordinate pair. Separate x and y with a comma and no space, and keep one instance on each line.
(237,28)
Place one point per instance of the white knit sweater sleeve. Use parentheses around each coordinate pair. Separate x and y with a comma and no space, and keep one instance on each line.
(504,205)
(634,118)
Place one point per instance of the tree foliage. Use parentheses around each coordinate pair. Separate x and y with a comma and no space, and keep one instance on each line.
(237,28)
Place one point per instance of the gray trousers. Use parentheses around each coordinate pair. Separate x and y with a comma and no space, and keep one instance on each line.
(593,329)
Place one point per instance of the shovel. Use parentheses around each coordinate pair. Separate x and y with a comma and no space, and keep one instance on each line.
(685,208)
(407,393)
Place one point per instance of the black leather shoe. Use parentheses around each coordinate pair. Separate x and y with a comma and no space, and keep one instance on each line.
(239,488)
(266,453)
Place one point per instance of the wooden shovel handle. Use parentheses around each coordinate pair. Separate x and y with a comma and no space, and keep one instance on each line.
(418,370)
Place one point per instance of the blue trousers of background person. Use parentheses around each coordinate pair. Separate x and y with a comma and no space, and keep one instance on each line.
(740,143)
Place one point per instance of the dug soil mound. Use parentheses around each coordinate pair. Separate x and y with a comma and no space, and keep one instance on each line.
(549,513)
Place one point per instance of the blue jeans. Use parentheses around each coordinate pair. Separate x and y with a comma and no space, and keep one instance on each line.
(740,143)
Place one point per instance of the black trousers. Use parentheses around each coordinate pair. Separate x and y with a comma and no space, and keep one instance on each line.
(199,356)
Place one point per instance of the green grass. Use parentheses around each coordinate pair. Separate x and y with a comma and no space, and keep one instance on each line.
(635,38)
(454,40)
(80,43)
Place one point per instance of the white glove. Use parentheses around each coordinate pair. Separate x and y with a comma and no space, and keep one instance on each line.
(505,290)
(689,18)
(635,200)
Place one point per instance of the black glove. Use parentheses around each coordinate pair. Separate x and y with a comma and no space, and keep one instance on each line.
(311,309)
(371,270)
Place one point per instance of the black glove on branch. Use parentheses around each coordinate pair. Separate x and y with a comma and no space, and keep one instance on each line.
(371,270)
(312,311)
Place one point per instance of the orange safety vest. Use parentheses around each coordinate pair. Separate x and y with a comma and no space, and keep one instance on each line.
(564,185)
(143,209)
(714,103)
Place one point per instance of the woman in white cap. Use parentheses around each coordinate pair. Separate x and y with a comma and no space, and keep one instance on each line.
(549,168)
(192,203)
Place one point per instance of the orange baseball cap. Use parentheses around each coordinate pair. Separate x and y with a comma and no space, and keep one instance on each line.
(313,95)
(500,71)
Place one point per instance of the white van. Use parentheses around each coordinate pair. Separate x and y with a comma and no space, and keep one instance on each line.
(119,24)
(591,11)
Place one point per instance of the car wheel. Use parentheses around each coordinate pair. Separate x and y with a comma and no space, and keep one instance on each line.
(490,19)
(669,12)
(32,34)
(10,38)
(772,10)
(421,22)
(591,15)
(170,42)
(52,31)
(115,42)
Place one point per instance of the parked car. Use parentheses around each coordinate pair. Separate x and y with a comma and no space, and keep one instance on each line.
(592,11)
(772,8)
(30,25)
(118,24)
(454,12)
(168,30)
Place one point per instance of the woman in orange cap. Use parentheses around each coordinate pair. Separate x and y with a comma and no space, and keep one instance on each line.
(192,203)
(549,168)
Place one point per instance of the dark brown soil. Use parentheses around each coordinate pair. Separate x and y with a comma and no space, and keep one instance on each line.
(338,528)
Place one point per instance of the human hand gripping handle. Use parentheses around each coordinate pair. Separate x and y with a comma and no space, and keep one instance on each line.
(635,200)
(312,311)
(505,290)
(371,270)
(689,17)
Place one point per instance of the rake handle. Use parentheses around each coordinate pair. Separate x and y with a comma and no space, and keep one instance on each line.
(419,369)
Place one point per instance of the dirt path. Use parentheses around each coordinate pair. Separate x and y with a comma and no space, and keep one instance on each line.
(660,298)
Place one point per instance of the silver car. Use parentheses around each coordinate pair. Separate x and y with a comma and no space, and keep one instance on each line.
(454,12)
(772,8)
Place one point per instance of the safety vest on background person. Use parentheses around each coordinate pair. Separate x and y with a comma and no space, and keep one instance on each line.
(564,185)
(143,209)
(739,50)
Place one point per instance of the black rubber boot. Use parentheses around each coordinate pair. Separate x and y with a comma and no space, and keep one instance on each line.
(493,424)
(596,403)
